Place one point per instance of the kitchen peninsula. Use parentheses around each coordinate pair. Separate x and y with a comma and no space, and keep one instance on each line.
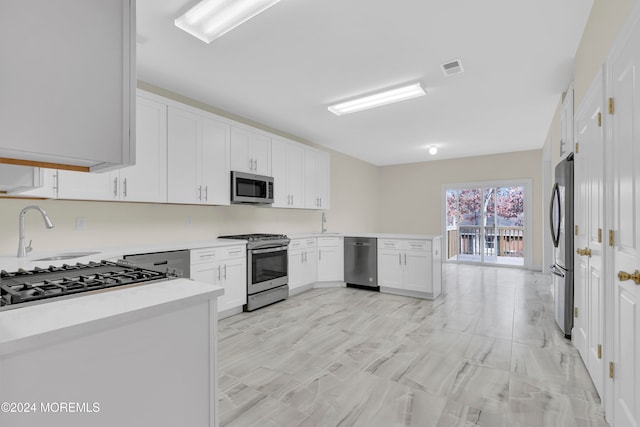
(145,353)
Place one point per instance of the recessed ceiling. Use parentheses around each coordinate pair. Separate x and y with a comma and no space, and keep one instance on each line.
(285,66)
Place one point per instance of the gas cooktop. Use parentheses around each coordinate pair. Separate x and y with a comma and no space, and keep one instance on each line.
(25,287)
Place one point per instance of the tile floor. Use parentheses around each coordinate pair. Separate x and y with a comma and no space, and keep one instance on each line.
(486,352)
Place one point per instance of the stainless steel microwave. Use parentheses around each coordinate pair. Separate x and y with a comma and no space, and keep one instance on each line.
(251,189)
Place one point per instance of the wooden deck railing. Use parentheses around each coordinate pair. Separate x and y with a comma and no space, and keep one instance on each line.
(507,242)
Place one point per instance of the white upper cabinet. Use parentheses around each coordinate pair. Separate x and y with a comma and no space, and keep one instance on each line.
(147,180)
(250,152)
(566,123)
(198,171)
(215,161)
(316,179)
(287,161)
(68,82)
(86,186)
(144,182)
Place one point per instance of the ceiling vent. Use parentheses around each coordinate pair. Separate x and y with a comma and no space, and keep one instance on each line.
(452,67)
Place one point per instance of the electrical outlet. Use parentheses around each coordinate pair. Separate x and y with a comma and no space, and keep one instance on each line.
(81,224)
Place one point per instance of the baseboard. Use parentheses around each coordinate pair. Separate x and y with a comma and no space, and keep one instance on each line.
(406,293)
(300,289)
(320,285)
(536,268)
(230,312)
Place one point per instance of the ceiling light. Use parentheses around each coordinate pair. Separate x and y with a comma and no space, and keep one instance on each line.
(210,19)
(433,150)
(378,99)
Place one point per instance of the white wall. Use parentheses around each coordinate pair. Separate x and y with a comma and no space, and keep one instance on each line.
(410,198)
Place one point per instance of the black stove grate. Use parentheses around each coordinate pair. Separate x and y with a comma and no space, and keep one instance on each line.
(25,286)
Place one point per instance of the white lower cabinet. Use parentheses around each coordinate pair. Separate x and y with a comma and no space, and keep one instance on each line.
(303,265)
(410,267)
(330,259)
(226,267)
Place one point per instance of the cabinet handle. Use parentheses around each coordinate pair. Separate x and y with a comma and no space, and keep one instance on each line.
(219,275)
(200,192)
(206,193)
(124,187)
(56,181)
(115,187)
(319,254)
(225,272)
(292,200)
(399,258)
(405,259)
(256,165)
(250,164)
(301,257)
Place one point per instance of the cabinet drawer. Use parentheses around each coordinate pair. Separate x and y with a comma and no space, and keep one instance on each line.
(233,252)
(204,255)
(389,244)
(418,245)
(329,242)
(302,243)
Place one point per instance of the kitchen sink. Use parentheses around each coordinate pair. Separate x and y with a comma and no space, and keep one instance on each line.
(67,255)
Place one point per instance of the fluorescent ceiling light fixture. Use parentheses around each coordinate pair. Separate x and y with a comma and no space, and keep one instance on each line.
(433,150)
(210,19)
(378,99)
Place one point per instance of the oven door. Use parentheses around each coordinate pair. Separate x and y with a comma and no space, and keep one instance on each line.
(267,269)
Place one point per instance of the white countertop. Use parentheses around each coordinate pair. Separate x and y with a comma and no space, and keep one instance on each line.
(375,235)
(48,323)
(12,263)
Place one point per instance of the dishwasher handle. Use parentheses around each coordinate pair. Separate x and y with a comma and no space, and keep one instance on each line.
(361,244)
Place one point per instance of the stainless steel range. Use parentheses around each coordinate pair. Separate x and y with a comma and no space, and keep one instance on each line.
(267,268)
(26,287)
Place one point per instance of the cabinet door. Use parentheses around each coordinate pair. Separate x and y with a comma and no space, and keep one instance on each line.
(436,276)
(281,194)
(311,198)
(206,273)
(417,271)
(331,264)
(323,180)
(390,268)
(241,159)
(295,175)
(215,162)
(184,145)
(296,268)
(234,281)
(87,186)
(310,265)
(147,180)
(261,154)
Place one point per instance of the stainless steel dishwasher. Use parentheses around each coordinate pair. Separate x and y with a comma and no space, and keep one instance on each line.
(361,262)
(176,263)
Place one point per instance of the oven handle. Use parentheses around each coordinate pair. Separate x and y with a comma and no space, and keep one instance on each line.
(268,250)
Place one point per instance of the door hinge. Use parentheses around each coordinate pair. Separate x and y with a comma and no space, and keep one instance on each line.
(599,119)
(577,147)
(575,312)
(576,230)
(599,351)
(599,235)
(612,108)
(610,237)
(611,370)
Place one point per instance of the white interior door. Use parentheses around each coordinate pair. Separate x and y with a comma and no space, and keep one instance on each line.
(625,221)
(588,331)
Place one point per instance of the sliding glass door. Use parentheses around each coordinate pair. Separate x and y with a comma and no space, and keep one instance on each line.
(486,224)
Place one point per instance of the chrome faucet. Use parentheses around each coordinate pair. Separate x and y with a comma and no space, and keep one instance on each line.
(22,249)
(324,222)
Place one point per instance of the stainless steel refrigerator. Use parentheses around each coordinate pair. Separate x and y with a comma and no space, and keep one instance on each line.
(561,220)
